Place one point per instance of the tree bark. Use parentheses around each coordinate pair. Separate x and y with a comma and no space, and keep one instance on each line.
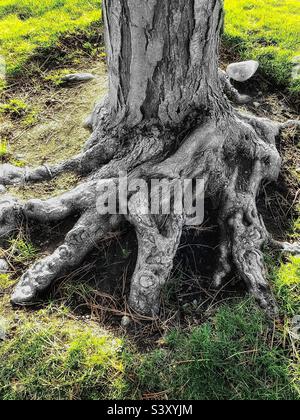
(162,59)
(166,116)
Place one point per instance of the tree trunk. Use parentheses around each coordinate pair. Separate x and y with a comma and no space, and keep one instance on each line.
(166,117)
(162,59)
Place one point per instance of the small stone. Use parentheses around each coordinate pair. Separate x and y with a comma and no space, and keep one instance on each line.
(126,321)
(186,307)
(295,327)
(296,67)
(78,77)
(256,104)
(4,267)
(241,72)
(298,170)
(88,123)
(2,189)
(3,329)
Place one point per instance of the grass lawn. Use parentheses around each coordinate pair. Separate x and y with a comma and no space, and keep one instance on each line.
(268,31)
(28,26)
(57,353)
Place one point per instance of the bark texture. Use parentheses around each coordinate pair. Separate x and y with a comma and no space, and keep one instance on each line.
(167,115)
(162,58)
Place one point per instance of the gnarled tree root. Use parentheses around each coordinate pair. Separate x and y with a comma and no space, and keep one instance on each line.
(244,236)
(157,247)
(233,156)
(82,164)
(78,243)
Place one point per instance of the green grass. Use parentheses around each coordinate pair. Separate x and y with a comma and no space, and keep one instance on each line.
(3,149)
(229,358)
(287,281)
(268,31)
(17,109)
(60,360)
(22,251)
(5,282)
(28,26)
(236,355)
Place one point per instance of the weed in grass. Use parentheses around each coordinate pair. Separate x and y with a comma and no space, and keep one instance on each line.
(22,251)
(17,109)
(3,149)
(287,286)
(285,278)
(17,162)
(31,118)
(56,77)
(5,282)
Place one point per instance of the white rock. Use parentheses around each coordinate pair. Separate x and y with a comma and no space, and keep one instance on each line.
(78,77)
(295,327)
(3,328)
(2,189)
(4,267)
(242,71)
(88,122)
(126,321)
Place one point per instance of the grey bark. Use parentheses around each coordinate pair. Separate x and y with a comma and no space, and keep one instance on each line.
(167,114)
(162,58)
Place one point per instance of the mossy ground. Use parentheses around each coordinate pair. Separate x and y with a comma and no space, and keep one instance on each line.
(69,348)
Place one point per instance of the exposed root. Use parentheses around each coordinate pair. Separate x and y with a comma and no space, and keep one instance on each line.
(231,92)
(286,247)
(59,208)
(233,156)
(247,244)
(10,216)
(78,243)
(225,252)
(244,236)
(157,247)
(13,211)
(290,124)
(96,119)
(81,164)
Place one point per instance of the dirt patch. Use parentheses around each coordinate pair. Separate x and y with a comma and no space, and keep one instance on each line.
(58,133)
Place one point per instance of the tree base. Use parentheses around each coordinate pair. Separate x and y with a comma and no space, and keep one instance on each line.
(234,156)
